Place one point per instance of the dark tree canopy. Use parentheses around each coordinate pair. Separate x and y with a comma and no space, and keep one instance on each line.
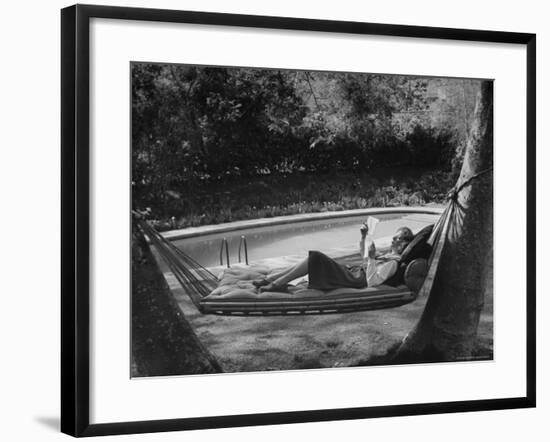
(205,124)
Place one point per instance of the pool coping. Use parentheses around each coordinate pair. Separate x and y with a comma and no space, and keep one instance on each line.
(191,232)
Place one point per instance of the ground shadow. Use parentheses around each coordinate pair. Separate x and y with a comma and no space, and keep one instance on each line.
(51,422)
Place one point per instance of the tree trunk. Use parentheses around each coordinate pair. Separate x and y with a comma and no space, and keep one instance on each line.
(448,326)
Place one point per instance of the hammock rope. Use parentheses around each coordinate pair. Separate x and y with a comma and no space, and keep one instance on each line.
(196,280)
(453,194)
(438,238)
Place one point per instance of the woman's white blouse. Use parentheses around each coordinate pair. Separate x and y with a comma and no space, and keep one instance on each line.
(378,272)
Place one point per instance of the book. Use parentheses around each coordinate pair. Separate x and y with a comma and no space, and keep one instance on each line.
(371,223)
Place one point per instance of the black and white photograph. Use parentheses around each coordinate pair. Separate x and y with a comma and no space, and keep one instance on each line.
(300,219)
(275,221)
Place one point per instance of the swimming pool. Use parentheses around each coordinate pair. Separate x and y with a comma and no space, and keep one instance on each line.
(297,238)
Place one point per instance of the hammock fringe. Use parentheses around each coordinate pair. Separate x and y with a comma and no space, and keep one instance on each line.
(197,281)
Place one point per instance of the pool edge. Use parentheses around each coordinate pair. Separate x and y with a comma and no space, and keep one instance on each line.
(191,232)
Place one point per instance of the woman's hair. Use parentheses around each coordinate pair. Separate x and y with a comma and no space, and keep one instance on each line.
(408,236)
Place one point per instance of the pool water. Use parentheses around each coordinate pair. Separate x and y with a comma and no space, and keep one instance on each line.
(297,238)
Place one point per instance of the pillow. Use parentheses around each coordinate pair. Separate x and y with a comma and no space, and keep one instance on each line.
(415,274)
(418,247)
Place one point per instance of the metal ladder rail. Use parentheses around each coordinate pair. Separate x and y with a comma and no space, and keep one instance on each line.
(243,247)
(241,243)
(224,243)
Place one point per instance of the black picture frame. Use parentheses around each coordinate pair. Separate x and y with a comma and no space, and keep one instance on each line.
(75,212)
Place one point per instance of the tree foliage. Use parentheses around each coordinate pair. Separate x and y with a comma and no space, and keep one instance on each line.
(193,125)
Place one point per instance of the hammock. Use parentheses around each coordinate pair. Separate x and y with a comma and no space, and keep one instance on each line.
(234,293)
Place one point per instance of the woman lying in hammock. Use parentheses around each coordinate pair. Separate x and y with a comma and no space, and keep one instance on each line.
(326,274)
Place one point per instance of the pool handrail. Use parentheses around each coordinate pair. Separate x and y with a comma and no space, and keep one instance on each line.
(241,242)
(224,243)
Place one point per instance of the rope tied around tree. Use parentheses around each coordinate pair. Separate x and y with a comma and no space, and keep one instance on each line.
(452,195)
(439,233)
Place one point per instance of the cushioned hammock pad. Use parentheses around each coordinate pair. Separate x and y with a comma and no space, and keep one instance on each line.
(236,294)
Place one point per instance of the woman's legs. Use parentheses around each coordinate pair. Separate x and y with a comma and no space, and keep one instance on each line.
(282,273)
(283,277)
(278,281)
(290,274)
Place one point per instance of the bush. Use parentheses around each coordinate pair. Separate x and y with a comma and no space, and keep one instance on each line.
(196,126)
(430,147)
(279,195)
